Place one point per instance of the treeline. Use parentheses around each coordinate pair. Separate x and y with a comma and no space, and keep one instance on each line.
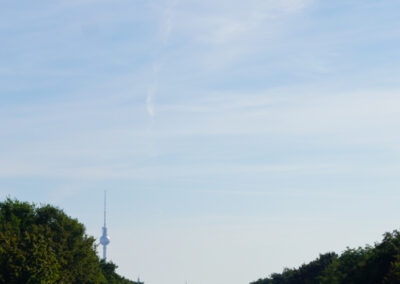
(369,265)
(41,244)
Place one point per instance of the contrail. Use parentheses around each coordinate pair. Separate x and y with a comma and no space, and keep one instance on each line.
(150,98)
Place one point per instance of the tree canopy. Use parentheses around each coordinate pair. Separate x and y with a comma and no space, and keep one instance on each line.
(369,265)
(41,244)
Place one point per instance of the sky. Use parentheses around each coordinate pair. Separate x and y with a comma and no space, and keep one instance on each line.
(234,138)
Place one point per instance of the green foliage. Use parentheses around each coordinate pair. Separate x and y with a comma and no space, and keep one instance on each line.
(369,265)
(305,274)
(44,245)
(112,277)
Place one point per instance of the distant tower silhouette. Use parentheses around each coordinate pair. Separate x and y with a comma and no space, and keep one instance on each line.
(105,239)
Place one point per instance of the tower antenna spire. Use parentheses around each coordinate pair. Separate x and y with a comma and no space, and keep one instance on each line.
(105,207)
(105,239)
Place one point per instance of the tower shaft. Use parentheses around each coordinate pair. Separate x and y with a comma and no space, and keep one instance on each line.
(104,252)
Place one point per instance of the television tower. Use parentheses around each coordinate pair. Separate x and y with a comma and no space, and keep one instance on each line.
(105,239)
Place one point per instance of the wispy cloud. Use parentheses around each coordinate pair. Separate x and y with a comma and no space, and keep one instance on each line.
(226,23)
(168,24)
(152,90)
(171,172)
(108,133)
(217,34)
(150,98)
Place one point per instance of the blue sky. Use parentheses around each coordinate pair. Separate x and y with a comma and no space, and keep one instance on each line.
(234,138)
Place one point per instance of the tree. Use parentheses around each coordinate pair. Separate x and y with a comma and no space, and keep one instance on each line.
(305,274)
(44,245)
(108,269)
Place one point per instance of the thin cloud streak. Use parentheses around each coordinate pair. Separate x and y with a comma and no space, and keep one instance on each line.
(150,99)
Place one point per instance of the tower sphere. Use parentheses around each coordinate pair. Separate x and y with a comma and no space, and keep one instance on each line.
(104,240)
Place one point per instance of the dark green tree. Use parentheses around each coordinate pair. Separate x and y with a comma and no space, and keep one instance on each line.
(109,271)
(369,265)
(44,245)
(305,274)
